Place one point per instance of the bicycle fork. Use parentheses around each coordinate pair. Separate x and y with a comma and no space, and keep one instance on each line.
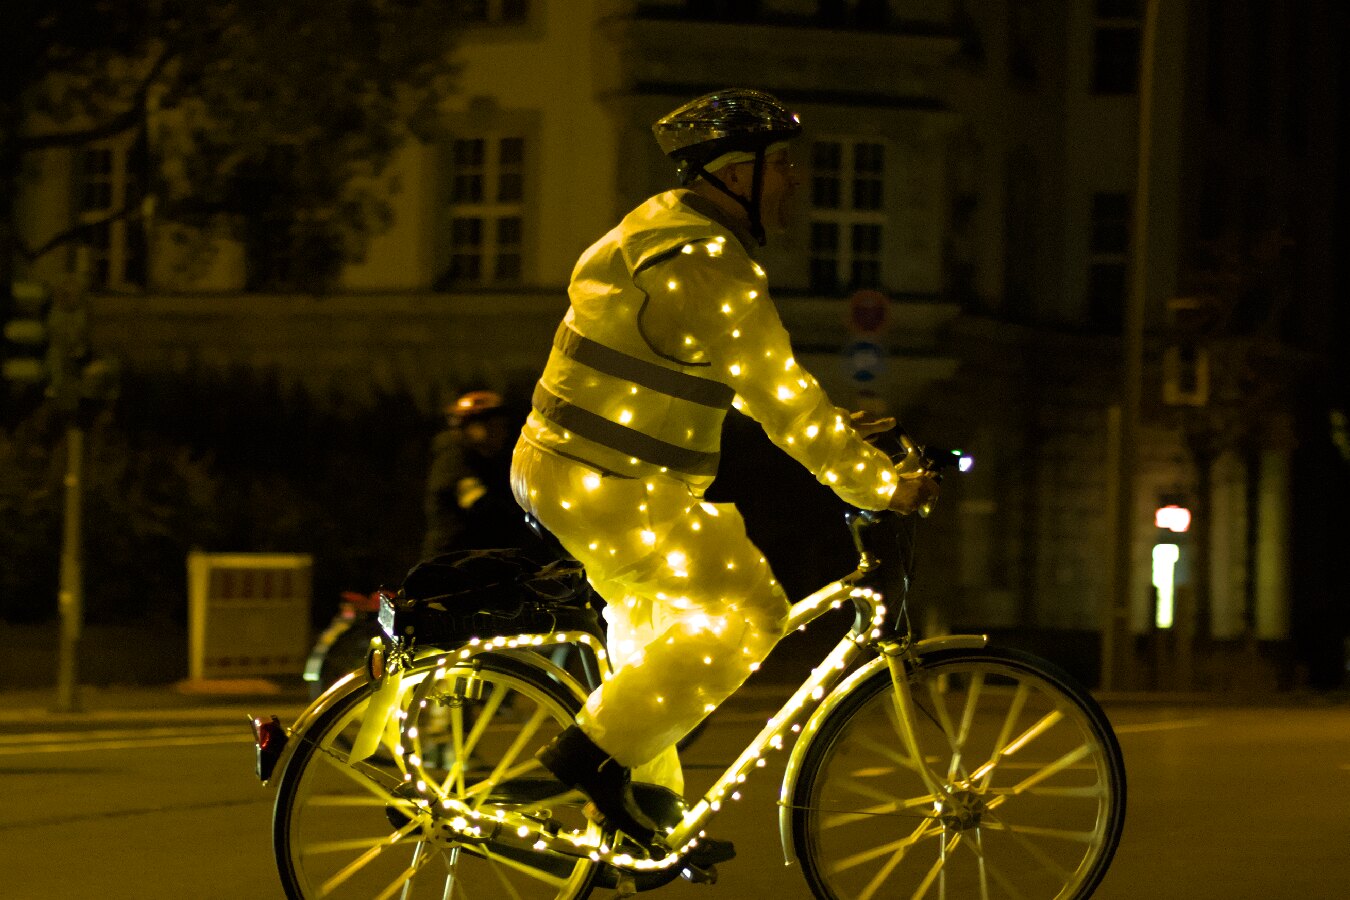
(896,658)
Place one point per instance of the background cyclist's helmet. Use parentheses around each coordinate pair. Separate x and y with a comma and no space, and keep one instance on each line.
(475,404)
(735,120)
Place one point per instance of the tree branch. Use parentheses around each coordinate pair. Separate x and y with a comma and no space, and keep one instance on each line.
(73,232)
(129,118)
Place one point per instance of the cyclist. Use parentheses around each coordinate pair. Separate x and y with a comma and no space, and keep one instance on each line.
(468,493)
(670,324)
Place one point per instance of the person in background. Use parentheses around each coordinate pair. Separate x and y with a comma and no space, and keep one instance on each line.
(468,498)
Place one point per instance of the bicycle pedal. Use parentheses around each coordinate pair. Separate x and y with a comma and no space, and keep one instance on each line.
(699,874)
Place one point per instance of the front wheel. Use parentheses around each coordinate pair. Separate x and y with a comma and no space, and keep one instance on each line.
(1030,777)
(466,733)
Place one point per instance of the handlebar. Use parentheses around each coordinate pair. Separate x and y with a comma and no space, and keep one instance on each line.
(910,458)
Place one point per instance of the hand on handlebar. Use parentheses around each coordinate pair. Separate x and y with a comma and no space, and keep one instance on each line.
(867,426)
(916,492)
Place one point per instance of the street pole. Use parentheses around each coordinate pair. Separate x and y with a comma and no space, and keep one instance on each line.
(70,593)
(1115,628)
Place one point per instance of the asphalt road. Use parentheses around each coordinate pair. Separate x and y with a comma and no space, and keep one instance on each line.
(1226,801)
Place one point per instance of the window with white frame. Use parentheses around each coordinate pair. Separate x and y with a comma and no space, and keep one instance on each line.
(493,12)
(847,214)
(487,211)
(105,186)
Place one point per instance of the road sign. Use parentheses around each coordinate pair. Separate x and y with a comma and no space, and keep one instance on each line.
(868,312)
(865,361)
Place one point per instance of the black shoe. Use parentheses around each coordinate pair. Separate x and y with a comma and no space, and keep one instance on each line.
(665,807)
(579,763)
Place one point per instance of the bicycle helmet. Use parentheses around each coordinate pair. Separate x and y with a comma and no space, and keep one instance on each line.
(703,132)
(473,405)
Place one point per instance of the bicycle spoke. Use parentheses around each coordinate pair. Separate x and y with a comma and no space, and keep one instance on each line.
(938,866)
(897,847)
(967,717)
(997,874)
(1064,834)
(503,765)
(1044,724)
(534,872)
(502,879)
(1054,768)
(956,736)
(372,802)
(404,879)
(1009,723)
(891,808)
(482,719)
(363,775)
(1088,792)
(891,754)
(365,859)
(861,789)
(346,845)
(485,786)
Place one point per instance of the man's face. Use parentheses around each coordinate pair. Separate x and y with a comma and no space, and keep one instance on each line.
(778,192)
(488,435)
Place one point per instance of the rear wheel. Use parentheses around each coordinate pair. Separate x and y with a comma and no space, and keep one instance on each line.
(468,733)
(1032,799)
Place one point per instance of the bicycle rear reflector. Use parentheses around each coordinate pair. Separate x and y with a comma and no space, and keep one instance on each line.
(270,739)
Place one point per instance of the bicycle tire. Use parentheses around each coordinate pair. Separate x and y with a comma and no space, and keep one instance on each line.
(1029,763)
(330,818)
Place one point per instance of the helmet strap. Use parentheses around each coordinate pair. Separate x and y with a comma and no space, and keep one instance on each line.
(751,206)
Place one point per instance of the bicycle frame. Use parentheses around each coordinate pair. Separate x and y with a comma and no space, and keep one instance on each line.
(800,715)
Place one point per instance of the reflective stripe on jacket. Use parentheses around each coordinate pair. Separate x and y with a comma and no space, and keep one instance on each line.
(670,323)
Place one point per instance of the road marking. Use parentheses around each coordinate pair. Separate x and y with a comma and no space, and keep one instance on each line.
(1161,726)
(120,739)
(38,716)
(62,737)
(125,744)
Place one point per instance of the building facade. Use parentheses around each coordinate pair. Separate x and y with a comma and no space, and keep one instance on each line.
(975,161)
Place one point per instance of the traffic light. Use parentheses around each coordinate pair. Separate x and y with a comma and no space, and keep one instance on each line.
(23,355)
(46,345)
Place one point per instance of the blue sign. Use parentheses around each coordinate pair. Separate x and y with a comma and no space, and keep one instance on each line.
(865,361)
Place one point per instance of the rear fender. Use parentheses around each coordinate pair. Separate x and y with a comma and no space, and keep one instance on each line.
(360,679)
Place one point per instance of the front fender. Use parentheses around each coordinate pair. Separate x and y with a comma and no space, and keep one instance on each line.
(828,705)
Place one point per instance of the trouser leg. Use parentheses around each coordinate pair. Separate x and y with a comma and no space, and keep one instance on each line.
(699,605)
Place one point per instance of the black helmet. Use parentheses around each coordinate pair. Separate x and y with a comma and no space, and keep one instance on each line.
(731,120)
(723,121)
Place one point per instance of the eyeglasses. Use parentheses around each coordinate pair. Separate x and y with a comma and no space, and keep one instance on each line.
(782,162)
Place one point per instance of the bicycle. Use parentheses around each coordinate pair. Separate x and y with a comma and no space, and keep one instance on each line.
(940,767)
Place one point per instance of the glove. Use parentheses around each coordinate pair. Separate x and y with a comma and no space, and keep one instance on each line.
(915,492)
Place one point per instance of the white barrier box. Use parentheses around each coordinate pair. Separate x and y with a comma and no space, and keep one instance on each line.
(249,614)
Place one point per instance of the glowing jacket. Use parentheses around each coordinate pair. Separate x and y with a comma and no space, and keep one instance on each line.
(670,324)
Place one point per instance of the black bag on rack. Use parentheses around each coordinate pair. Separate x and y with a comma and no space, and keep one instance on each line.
(449,599)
